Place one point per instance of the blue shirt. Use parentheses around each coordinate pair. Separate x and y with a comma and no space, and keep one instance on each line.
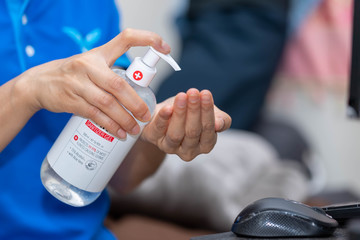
(34,32)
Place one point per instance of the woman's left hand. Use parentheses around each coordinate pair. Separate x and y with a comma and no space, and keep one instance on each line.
(187,124)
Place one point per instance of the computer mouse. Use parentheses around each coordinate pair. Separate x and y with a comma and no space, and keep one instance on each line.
(278,217)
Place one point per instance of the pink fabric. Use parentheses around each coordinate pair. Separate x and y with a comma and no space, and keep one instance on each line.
(319,53)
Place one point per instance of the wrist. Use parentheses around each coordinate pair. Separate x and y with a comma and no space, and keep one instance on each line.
(24,94)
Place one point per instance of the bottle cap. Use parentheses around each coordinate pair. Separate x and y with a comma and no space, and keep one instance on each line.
(143,70)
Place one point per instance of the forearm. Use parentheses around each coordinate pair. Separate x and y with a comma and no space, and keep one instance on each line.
(142,161)
(16,109)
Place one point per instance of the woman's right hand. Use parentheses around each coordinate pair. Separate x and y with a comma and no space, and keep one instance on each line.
(85,85)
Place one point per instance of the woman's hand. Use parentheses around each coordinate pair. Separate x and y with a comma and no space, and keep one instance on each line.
(85,85)
(187,124)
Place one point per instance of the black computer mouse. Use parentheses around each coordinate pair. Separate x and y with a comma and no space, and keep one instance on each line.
(278,217)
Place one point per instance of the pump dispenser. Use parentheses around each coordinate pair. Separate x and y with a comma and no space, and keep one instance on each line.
(142,70)
(85,156)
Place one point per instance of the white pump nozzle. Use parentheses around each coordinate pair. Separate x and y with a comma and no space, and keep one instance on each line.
(142,70)
(152,57)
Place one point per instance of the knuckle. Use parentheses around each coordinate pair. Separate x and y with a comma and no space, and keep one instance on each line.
(92,112)
(207,149)
(193,132)
(167,147)
(209,127)
(111,126)
(140,108)
(116,83)
(104,99)
(175,138)
(188,156)
(128,122)
(127,34)
(209,145)
(74,64)
(154,39)
(160,126)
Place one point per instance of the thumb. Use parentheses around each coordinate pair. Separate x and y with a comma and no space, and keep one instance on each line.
(158,126)
(129,38)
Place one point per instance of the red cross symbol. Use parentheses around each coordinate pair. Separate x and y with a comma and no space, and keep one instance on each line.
(137,75)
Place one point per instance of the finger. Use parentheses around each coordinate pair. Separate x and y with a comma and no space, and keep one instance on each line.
(156,130)
(129,38)
(193,121)
(111,82)
(222,120)
(176,129)
(208,135)
(111,107)
(93,113)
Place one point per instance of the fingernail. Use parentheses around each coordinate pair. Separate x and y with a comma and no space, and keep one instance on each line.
(221,123)
(193,98)
(206,98)
(121,134)
(181,103)
(135,130)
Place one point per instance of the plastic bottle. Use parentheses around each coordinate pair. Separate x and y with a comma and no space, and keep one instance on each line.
(85,156)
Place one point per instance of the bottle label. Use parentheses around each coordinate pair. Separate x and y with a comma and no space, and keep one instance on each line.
(86,155)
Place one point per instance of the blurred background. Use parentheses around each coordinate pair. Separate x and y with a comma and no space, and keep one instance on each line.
(310,90)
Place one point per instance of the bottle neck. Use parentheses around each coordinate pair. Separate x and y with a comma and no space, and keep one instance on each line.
(140,73)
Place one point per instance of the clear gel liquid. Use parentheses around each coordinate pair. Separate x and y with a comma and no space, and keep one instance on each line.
(63,190)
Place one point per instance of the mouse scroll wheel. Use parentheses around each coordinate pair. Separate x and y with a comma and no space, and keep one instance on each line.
(319,210)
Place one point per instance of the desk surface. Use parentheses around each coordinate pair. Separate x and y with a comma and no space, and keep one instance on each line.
(339,234)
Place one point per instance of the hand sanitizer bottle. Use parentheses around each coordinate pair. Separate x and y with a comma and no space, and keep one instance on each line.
(85,156)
